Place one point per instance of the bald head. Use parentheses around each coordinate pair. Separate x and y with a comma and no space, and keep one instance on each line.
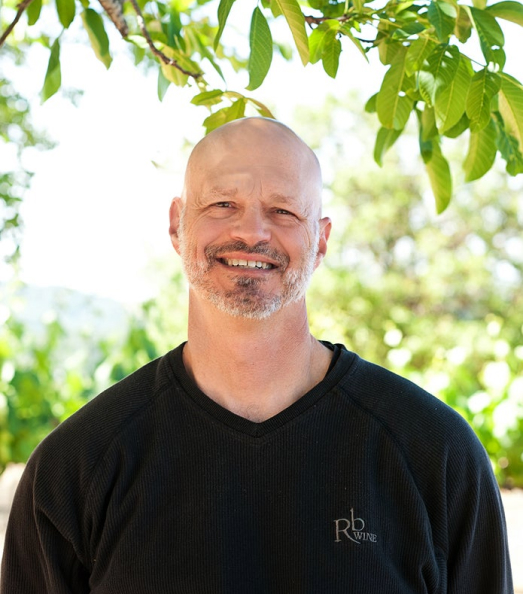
(252,187)
(257,143)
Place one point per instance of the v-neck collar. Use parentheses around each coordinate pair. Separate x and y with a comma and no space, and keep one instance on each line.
(342,358)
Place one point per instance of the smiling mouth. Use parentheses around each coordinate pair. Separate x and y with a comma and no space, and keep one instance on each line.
(237,263)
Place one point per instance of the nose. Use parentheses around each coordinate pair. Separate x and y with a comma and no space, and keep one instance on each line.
(251,226)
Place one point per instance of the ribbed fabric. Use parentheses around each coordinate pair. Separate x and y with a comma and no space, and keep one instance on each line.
(366,485)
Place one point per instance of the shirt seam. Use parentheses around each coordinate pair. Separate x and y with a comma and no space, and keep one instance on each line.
(164,387)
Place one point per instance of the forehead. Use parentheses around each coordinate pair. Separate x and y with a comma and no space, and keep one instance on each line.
(277,165)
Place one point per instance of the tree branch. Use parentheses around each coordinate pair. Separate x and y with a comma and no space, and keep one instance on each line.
(312,20)
(21,7)
(154,49)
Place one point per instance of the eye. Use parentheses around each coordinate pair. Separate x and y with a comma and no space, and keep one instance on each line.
(283,212)
(223,204)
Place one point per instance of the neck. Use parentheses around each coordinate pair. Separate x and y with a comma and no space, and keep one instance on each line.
(254,368)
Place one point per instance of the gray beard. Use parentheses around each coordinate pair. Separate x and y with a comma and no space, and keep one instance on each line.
(247,299)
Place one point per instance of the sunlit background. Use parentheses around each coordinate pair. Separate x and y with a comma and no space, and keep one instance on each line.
(97,290)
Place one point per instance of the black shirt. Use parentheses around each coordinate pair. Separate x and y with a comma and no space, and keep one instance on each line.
(365,485)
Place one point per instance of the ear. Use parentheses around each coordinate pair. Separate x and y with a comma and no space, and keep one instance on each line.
(325,231)
(175,212)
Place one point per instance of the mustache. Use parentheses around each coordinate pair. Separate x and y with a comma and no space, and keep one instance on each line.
(261,249)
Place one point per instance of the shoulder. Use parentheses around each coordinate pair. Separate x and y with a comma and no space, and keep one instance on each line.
(418,422)
(443,455)
(74,448)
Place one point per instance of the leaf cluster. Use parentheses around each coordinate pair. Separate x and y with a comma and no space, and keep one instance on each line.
(450,93)
(424,45)
(435,298)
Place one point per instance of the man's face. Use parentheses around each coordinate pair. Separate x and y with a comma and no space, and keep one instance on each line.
(249,231)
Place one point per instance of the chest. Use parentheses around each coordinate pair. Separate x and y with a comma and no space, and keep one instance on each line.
(302,515)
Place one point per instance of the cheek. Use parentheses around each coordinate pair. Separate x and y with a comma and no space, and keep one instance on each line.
(200,237)
(302,241)
(209,231)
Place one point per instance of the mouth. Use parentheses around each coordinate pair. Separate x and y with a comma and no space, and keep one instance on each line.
(246,264)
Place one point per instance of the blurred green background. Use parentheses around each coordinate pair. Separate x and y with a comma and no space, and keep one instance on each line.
(437,299)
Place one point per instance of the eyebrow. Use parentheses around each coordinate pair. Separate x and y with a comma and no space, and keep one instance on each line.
(282,198)
(217,193)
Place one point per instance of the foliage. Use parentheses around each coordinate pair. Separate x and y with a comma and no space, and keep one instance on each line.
(436,300)
(45,376)
(39,386)
(16,135)
(428,47)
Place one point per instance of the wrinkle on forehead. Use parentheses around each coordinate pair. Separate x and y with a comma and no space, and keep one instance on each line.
(266,142)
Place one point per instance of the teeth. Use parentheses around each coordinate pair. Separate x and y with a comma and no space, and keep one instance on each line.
(247,263)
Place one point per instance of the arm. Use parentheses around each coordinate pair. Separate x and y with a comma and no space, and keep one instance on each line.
(478,557)
(39,557)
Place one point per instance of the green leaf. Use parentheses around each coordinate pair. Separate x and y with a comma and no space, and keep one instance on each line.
(438,71)
(408,30)
(138,53)
(510,11)
(207,54)
(459,128)
(53,76)
(425,149)
(331,55)
(508,146)
(384,140)
(285,50)
(275,9)
(442,17)
(417,53)
(236,110)
(262,109)
(261,50)
(370,106)
(215,120)
(208,97)
(138,41)
(224,9)
(294,16)
(490,35)
(33,11)
(511,106)
(172,73)
(94,26)
(174,29)
(163,85)
(392,104)
(428,129)
(388,49)
(225,114)
(463,28)
(483,87)
(427,133)
(481,153)
(66,10)
(451,99)
(440,178)
(199,43)
(318,38)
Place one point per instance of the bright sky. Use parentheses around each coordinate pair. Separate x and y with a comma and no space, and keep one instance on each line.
(96,212)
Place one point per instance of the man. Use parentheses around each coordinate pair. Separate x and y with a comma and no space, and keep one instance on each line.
(254,458)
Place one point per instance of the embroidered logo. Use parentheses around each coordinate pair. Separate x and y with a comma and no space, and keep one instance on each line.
(353,529)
